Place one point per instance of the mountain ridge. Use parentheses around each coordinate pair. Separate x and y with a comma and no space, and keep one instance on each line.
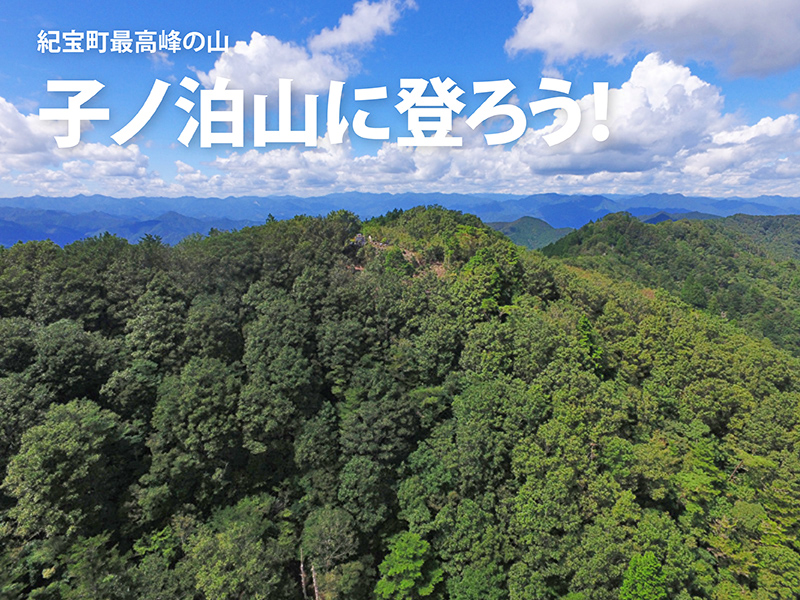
(66,219)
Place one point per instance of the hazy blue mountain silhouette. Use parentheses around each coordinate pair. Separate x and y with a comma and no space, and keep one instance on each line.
(65,219)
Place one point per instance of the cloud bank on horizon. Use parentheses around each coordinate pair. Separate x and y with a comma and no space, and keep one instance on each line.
(673,69)
(737,35)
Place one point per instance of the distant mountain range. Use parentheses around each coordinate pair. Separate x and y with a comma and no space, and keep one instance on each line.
(67,219)
(17,224)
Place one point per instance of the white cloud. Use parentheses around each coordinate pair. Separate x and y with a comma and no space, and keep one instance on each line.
(669,132)
(367,21)
(767,127)
(31,163)
(744,37)
(160,60)
(256,66)
(25,141)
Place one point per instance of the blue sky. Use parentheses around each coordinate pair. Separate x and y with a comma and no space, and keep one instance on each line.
(704,96)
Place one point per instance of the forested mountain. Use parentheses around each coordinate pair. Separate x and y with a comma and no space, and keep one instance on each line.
(737,267)
(530,232)
(662,215)
(404,408)
(780,236)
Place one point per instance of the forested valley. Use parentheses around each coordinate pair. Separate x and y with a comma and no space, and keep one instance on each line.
(406,408)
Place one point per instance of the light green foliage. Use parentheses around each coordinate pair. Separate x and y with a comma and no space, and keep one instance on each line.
(481,583)
(589,343)
(328,542)
(643,579)
(408,573)
(734,267)
(329,537)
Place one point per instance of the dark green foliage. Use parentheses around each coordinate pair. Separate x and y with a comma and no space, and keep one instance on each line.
(292,411)
(73,287)
(19,411)
(132,392)
(20,268)
(92,570)
(778,235)
(70,473)
(70,362)
(212,329)
(156,332)
(18,348)
(196,443)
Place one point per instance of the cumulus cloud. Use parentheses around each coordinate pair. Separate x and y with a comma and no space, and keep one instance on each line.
(364,24)
(31,162)
(25,141)
(669,132)
(743,37)
(256,66)
(160,60)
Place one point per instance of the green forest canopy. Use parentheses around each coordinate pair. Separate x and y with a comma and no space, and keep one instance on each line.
(408,407)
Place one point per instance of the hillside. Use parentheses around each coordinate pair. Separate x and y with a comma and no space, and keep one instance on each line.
(530,232)
(662,215)
(736,267)
(780,235)
(406,407)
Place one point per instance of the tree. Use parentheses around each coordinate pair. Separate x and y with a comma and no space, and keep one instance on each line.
(242,553)
(92,570)
(328,541)
(643,579)
(196,443)
(70,362)
(156,333)
(484,583)
(70,472)
(408,572)
(18,349)
(21,266)
(329,537)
